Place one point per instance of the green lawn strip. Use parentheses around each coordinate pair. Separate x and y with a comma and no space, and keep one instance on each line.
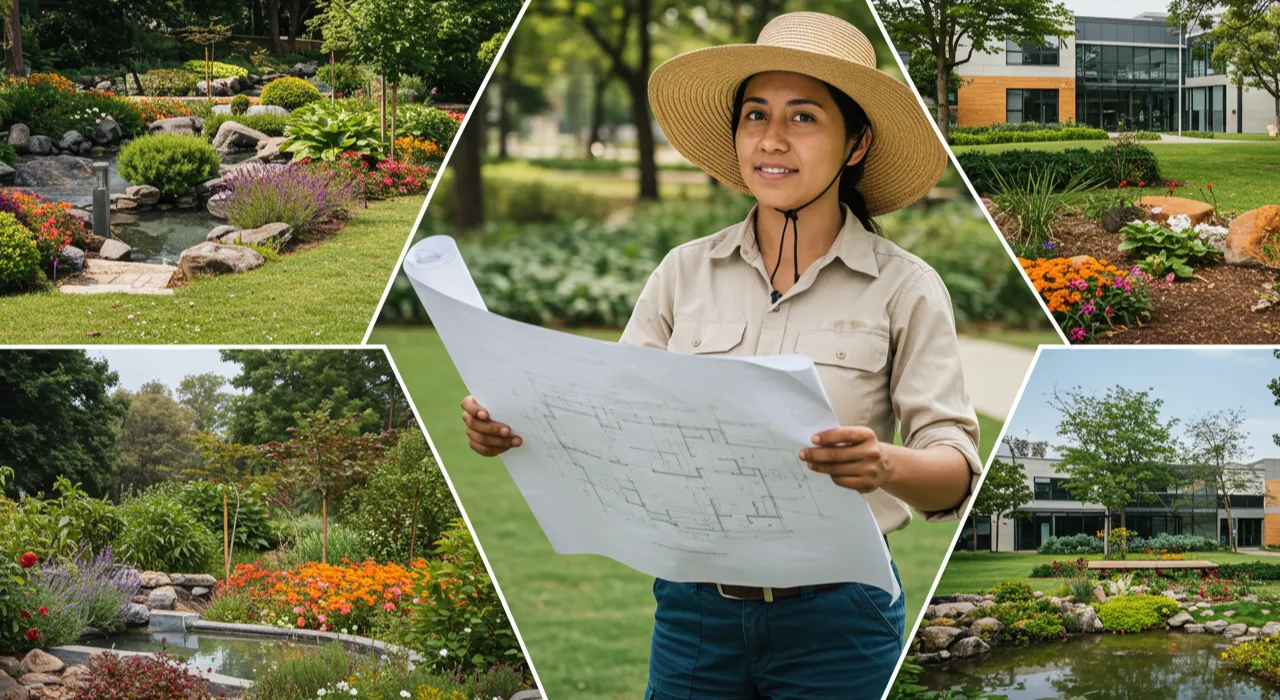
(323,295)
(970,572)
(1245,611)
(585,619)
(613,185)
(1237,171)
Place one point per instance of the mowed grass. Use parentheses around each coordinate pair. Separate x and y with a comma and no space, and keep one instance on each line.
(326,294)
(1245,175)
(617,185)
(970,572)
(586,620)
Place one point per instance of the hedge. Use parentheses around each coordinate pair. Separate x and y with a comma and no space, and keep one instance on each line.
(1005,127)
(269,124)
(1108,167)
(1076,134)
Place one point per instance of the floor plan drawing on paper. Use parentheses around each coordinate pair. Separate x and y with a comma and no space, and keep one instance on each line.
(663,463)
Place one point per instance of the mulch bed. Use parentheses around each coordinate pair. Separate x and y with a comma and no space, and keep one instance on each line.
(1213,308)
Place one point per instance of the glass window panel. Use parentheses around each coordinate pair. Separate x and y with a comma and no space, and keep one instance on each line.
(1126,32)
(1109,32)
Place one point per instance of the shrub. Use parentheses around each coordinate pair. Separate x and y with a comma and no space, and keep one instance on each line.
(382,511)
(85,591)
(1258,570)
(427,123)
(269,124)
(1260,657)
(50,222)
(230,606)
(1036,628)
(158,677)
(322,132)
(1142,136)
(1198,134)
(1107,167)
(1009,613)
(156,109)
(1007,127)
(19,627)
(381,180)
(239,104)
(298,194)
(417,151)
(1167,250)
(8,156)
(1136,613)
(19,257)
(220,70)
(993,137)
(290,93)
(160,534)
(1072,544)
(42,101)
(1012,592)
(1082,588)
(350,77)
(344,543)
(1087,299)
(460,624)
(172,163)
(247,514)
(169,83)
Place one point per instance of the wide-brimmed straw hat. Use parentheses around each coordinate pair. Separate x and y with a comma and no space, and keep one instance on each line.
(692,97)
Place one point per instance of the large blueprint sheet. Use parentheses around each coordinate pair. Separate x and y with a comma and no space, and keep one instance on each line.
(679,466)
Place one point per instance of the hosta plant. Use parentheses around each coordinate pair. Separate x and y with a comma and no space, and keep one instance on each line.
(322,132)
(1166,250)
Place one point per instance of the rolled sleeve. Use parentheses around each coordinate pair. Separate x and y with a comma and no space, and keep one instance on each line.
(653,315)
(927,384)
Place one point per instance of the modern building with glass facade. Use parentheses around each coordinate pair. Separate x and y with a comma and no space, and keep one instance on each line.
(1255,512)
(1113,74)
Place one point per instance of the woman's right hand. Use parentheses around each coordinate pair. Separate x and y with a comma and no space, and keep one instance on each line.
(487,437)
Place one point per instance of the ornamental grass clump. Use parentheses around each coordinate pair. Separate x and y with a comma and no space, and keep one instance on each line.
(298,194)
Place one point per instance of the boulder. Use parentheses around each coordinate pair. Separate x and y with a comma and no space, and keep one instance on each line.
(20,138)
(935,638)
(136,615)
(107,131)
(1169,207)
(951,610)
(1115,218)
(1084,619)
(76,677)
(36,680)
(987,628)
(41,145)
(199,592)
(7,174)
(1098,594)
(1207,612)
(185,126)
(217,204)
(1270,629)
(212,258)
(11,690)
(115,250)
(304,69)
(190,580)
(123,202)
(155,579)
(218,232)
(268,109)
(269,151)
(9,664)
(1249,232)
(1180,619)
(163,597)
(233,137)
(55,171)
(1239,629)
(220,88)
(275,235)
(222,109)
(185,201)
(1229,613)
(1243,639)
(144,194)
(71,140)
(103,86)
(930,658)
(1215,626)
(208,187)
(37,661)
(1193,629)
(72,258)
(1179,597)
(969,647)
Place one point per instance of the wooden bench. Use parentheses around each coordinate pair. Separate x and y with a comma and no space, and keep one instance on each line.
(1139,565)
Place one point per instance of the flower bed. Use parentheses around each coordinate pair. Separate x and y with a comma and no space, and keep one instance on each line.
(1089,297)
(1260,657)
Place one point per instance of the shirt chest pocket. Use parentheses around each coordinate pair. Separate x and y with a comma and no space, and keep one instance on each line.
(854,368)
(706,336)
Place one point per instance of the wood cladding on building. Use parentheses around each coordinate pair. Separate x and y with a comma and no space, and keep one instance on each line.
(982,98)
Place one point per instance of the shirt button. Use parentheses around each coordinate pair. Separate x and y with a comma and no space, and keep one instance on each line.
(840,354)
(697,342)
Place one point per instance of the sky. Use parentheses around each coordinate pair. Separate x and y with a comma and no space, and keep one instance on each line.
(137,366)
(1111,8)
(1191,381)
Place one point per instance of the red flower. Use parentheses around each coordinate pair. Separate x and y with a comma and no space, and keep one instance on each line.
(44,611)
(24,614)
(1142,184)
(28,560)
(33,634)
(1124,183)
(1210,186)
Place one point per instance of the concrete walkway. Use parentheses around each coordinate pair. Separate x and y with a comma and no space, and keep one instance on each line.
(1255,550)
(1174,138)
(103,276)
(993,373)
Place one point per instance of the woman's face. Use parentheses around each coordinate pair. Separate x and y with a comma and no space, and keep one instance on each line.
(791,139)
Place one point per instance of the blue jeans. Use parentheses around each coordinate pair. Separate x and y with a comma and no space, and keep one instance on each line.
(842,642)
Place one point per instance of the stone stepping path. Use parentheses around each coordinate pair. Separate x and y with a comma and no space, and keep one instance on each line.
(104,276)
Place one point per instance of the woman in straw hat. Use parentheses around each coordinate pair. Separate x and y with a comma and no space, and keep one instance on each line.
(804,122)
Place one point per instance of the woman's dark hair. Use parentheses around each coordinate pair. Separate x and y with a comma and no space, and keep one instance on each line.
(856,124)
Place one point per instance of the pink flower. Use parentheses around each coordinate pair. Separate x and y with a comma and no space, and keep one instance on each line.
(389,607)
(1168,277)
(322,618)
(1077,334)
(1108,311)
(1088,309)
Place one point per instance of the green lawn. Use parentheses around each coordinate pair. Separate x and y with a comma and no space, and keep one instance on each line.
(323,295)
(1245,137)
(1023,339)
(613,185)
(585,619)
(970,572)
(1244,175)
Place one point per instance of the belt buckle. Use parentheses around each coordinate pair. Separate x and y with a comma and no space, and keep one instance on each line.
(768,594)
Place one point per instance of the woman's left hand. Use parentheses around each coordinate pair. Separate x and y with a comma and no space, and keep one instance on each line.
(851,455)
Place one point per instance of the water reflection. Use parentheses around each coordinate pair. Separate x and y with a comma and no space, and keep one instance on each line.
(1150,666)
(228,655)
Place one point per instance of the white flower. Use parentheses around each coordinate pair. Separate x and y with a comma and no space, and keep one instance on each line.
(322,692)
(444,652)
(1179,223)
(354,691)
(405,694)
(467,630)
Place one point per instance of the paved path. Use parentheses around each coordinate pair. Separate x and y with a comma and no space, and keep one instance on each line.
(103,276)
(1255,550)
(1174,138)
(993,372)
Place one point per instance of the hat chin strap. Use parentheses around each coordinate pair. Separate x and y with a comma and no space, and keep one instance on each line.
(792,217)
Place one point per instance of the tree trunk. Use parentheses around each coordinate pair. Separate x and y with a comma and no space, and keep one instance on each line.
(395,89)
(1231,530)
(333,77)
(1106,534)
(324,530)
(226,552)
(597,110)
(639,85)
(13,52)
(295,24)
(508,102)
(273,25)
(944,102)
(468,185)
(382,112)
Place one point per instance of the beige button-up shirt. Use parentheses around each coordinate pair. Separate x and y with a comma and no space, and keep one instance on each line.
(877,323)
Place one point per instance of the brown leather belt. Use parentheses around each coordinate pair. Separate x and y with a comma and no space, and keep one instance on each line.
(766,594)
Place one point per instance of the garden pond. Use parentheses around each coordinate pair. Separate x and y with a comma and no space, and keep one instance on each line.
(1154,665)
(156,235)
(238,656)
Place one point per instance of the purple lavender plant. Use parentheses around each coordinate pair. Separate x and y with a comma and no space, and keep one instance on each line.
(92,590)
(298,194)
